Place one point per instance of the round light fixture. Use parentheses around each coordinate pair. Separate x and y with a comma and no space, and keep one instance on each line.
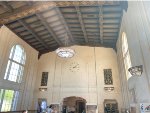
(65,52)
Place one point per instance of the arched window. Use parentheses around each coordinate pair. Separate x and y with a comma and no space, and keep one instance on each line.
(15,66)
(126,55)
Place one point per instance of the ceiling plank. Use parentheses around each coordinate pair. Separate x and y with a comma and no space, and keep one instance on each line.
(30,31)
(48,28)
(25,11)
(82,23)
(6,6)
(36,7)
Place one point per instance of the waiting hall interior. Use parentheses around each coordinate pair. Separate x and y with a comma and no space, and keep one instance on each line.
(77,56)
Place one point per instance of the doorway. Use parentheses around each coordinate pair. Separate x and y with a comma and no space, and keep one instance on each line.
(80,106)
(74,105)
(110,106)
(42,105)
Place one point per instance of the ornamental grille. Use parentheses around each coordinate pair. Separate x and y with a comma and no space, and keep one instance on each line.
(44,79)
(108,77)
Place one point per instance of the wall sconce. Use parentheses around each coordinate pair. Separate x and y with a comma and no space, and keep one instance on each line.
(108,88)
(42,89)
(137,70)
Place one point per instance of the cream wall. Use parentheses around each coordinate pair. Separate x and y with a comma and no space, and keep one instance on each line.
(136,25)
(7,40)
(87,82)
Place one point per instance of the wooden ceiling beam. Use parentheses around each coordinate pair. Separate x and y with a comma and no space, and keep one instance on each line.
(48,28)
(82,23)
(31,32)
(36,7)
(65,24)
(6,6)
(101,22)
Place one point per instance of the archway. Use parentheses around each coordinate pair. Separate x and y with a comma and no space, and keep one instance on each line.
(74,104)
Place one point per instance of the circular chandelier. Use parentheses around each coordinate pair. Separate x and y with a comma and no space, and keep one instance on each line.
(65,52)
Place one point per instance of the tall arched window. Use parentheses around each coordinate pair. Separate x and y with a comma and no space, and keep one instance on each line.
(15,66)
(126,55)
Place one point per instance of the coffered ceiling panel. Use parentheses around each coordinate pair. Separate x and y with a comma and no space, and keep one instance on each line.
(48,25)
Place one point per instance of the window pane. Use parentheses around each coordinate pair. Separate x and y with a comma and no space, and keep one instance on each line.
(14,72)
(126,55)
(7,100)
(15,66)
(16,96)
(19,54)
(1,95)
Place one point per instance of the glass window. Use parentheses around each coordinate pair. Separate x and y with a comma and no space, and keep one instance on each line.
(8,100)
(126,55)
(15,66)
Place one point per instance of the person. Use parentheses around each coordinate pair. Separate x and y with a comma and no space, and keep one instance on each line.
(50,109)
(25,111)
(39,109)
(83,111)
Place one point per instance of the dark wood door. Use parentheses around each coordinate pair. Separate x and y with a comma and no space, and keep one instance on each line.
(80,106)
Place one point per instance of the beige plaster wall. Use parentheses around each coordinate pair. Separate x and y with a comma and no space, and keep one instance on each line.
(7,40)
(136,25)
(87,82)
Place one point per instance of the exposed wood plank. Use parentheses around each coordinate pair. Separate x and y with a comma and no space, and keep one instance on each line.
(25,11)
(41,6)
(29,30)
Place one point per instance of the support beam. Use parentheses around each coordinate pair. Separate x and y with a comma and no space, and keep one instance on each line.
(6,6)
(101,23)
(41,6)
(81,23)
(30,31)
(65,24)
(48,28)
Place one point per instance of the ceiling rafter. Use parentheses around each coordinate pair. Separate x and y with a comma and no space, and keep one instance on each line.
(65,24)
(101,22)
(6,6)
(48,28)
(30,31)
(81,22)
(41,6)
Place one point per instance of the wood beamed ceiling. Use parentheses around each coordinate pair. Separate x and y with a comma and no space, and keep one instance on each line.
(46,25)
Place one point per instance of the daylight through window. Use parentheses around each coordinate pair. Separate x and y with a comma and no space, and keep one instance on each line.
(15,66)
(126,55)
(8,100)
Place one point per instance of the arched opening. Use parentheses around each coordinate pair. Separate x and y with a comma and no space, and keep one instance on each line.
(110,106)
(74,104)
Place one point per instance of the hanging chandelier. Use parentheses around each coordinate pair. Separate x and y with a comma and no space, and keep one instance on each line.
(65,52)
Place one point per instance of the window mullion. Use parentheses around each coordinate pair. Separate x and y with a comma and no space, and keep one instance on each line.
(12,103)
(16,62)
(13,53)
(8,73)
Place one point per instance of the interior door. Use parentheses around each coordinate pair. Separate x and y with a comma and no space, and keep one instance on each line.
(80,106)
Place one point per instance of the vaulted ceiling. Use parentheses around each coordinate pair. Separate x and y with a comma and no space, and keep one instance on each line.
(49,25)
